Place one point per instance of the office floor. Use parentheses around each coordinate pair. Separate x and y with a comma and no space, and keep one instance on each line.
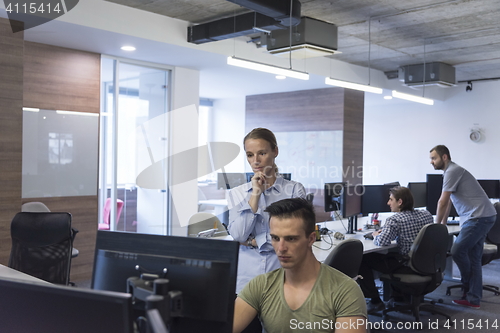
(461,317)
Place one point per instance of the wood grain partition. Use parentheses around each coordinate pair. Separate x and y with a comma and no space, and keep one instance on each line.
(43,76)
(328,109)
(11,117)
(57,78)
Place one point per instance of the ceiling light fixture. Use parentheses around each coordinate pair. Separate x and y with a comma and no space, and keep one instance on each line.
(387,97)
(267,68)
(355,86)
(128,48)
(280,77)
(413,98)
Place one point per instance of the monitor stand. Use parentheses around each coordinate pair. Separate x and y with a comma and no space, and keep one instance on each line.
(352,224)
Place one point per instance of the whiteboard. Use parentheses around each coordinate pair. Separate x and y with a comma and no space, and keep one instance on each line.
(313,158)
(60,153)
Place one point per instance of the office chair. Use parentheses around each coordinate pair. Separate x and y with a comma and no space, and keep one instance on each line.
(34,207)
(41,245)
(491,252)
(202,221)
(40,207)
(427,261)
(346,257)
(106,213)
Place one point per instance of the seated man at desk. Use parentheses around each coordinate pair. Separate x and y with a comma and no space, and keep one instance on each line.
(303,294)
(403,227)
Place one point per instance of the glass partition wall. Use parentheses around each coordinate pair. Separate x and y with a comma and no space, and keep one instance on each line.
(134,96)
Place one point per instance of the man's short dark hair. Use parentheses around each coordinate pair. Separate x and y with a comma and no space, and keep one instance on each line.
(294,208)
(441,150)
(403,193)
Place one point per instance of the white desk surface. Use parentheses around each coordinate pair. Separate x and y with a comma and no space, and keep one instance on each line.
(214,202)
(322,249)
(8,273)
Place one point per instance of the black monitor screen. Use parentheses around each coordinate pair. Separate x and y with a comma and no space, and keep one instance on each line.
(204,270)
(351,200)
(419,192)
(287,176)
(434,188)
(229,180)
(333,193)
(375,199)
(43,307)
(491,187)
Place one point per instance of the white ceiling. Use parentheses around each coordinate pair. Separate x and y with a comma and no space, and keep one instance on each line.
(218,80)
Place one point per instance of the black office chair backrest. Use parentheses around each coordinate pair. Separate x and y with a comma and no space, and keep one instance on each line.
(41,245)
(346,257)
(493,235)
(428,251)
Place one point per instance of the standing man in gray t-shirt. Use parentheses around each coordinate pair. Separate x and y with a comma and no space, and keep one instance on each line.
(477,216)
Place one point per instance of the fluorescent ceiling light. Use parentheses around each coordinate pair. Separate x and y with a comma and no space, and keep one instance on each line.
(280,77)
(128,48)
(75,113)
(413,98)
(355,86)
(267,68)
(387,97)
(31,109)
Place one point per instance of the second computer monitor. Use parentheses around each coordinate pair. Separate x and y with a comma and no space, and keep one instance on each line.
(375,199)
(419,192)
(346,199)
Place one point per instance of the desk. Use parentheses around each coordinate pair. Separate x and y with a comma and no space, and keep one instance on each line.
(12,274)
(322,249)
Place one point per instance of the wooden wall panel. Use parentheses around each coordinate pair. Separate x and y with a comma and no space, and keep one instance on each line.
(328,109)
(305,110)
(11,103)
(84,212)
(57,78)
(353,136)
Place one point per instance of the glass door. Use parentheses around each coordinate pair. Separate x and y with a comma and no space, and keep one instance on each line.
(133,136)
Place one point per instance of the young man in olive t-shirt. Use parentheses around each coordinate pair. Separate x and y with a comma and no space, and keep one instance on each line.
(303,295)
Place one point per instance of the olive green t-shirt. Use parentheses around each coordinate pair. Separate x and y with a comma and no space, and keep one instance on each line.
(333,295)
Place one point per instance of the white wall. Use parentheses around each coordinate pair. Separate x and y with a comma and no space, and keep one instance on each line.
(228,121)
(399,135)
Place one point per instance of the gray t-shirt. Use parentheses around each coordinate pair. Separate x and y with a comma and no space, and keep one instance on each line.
(467,195)
(333,295)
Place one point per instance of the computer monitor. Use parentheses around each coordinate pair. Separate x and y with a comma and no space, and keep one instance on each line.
(287,176)
(419,192)
(393,184)
(375,199)
(31,307)
(491,187)
(351,200)
(229,180)
(434,189)
(204,270)
(333,196)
